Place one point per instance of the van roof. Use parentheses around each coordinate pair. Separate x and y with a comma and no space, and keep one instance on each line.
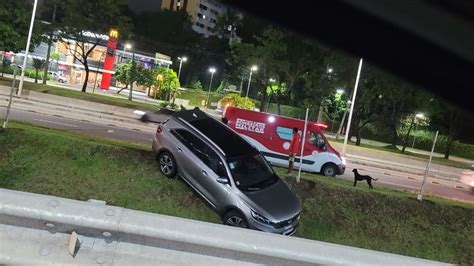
(227,140)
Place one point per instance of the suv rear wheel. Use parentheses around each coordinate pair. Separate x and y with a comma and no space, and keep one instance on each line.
(234,218)
(168,165)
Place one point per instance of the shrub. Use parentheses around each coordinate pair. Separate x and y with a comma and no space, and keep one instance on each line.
(196,85)
(238,101)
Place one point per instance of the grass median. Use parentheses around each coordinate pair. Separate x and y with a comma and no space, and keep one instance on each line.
(76,166)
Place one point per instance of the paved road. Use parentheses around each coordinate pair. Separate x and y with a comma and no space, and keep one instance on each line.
(63,123)
(410,182)
(386,177)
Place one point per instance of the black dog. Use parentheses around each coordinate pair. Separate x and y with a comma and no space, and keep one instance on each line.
(359,177)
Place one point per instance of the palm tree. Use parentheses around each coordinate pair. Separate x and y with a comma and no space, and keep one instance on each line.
(37,65)
(227,24)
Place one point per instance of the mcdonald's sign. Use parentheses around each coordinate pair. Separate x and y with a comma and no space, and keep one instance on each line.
(113,33)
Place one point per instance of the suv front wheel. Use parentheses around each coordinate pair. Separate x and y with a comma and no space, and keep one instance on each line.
(167,164)
(234,218)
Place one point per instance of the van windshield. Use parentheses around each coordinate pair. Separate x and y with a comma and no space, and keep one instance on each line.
(318,140)
(252,172)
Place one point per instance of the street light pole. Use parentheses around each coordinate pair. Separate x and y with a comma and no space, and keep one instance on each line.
(132,74)
(50,43)
(181,60)
(212,70)
(320,113)
(344,148)
(254,68)
(28,42)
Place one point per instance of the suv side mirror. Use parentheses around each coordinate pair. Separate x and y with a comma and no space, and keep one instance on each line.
(222,180)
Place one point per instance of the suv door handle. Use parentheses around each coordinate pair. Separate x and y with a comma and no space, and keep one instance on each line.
(179,149)
(204,172)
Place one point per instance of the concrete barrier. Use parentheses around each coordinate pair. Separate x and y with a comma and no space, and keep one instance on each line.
(36,229)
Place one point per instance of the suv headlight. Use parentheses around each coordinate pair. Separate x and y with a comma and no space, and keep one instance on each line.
(343,160)
(260,218)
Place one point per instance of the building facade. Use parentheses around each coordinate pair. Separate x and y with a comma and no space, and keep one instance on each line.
(73,70)
(204,13)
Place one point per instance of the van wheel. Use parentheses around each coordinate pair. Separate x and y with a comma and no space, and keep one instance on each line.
(234,218)
(329,170)
(167,164)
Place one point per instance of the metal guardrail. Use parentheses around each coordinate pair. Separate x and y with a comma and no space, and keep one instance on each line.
(36,229)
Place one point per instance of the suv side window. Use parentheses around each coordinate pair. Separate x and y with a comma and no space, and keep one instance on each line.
(202,151)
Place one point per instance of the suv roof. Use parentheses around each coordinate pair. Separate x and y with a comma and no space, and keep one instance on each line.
(227,140)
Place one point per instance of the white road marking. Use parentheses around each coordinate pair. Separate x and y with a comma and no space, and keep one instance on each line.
(110,131)
(52,122)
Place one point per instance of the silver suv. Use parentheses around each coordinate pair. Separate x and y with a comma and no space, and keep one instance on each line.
(226,171)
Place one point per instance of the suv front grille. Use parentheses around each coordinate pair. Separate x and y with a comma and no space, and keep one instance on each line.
(286,222)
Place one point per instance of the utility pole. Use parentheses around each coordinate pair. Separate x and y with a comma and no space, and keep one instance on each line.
(27,50)
(423,184)
(50,43)
(348,130)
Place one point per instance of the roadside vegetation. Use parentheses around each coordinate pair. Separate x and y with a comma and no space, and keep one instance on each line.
(125,174)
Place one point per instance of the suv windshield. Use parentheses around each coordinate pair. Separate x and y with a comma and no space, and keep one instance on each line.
(252,172)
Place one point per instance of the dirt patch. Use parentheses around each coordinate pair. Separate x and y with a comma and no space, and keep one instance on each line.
(188,199)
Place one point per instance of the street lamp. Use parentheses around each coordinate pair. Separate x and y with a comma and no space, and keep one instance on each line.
(340,91)
(420,116)
(321,105)
(33,15)
(212,70)
(127,46)
(254,68)
(181,60)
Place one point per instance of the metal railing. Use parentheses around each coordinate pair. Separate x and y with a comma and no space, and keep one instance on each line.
(38,229)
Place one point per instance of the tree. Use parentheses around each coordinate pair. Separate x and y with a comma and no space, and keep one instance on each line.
(267,54)
(167,82)
(227,24)
(275,90)
(122,75)
(145,77)
(15,17)
(96,16)
(37,65)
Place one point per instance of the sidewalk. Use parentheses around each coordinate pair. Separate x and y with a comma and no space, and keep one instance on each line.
(137,96)
(382,144)
(397,162)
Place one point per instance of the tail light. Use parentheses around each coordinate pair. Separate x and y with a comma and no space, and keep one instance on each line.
(159,129)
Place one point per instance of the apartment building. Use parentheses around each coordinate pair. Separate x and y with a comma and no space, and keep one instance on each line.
(203,12)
